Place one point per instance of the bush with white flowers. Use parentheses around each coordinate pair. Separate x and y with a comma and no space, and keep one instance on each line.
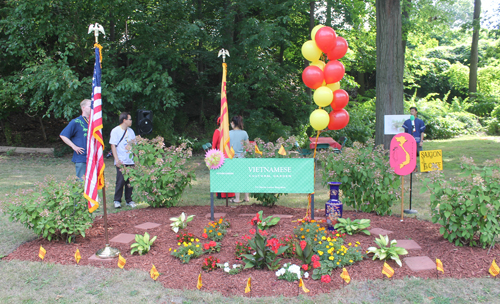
(290,272)
(227,268)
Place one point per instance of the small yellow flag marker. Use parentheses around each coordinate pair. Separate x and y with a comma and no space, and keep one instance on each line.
(249,285)
(387,270)
(257,151)
(494,270)
(301,284)
(282,151)
(439,265)
(345,275)
(78,257)
(154,273)
(121,261)
(42,252)
(199,284)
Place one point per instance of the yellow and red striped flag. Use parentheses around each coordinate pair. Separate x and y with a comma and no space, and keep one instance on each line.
(345,275)
(78,257)
(42,252)
(282,151)
(387,270)
(439,265)
(154,273)
(94,175)
(249,285)
(257,151)
(224,134)
(121,261)
(494,270)
(301,284)
(199,284)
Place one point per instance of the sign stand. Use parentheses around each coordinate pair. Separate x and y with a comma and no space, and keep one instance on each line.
(411,211)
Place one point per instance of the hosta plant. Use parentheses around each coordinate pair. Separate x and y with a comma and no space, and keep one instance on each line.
(180,222)
(352,227)
(387,250)
(143,243)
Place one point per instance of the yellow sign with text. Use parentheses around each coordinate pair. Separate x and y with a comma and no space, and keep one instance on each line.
(431,160)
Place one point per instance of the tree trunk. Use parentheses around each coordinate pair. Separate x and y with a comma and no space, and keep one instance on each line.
(473,50)
(390,64)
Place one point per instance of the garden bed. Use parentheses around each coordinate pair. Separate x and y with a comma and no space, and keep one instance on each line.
(459,262)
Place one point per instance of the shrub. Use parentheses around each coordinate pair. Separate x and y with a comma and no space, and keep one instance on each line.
(210,264)
(214,231)
(266,253)
(368,182)
(187,251)
(467,206)
(160,174)
(387,250)
(143,243)
(309,231)
(53,209)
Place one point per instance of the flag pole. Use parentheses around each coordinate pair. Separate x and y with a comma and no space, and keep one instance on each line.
(107,251)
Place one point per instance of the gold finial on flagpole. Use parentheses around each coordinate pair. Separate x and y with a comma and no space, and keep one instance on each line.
(223,53)
(96,28)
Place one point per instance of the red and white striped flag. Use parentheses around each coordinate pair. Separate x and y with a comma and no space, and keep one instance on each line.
(94,177)
(224,134)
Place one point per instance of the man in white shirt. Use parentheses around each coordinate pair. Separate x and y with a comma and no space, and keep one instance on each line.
(120,137)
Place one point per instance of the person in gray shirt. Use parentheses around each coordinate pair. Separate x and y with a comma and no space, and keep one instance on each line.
(237,138)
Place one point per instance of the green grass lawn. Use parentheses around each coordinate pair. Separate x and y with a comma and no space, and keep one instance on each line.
(23,282)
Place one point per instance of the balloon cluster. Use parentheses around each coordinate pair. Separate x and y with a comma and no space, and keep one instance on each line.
(324,78)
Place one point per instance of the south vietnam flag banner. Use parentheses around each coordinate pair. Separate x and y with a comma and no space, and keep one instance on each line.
(78,256)
(42,252)
(387,270)
(345,275)
(439,265)
(301,284)
(248,288)
(494,270)
(224,134)
(94,175)
(282,151)
(199,284)
(121,261)
(154,273)
(257,151)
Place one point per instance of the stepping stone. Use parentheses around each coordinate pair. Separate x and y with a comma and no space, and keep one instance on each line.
(420,263)
(408,244)
(377,231)
(247,214)
(147,226)
(216,215)
(95,258)
(124,238)
(283,216)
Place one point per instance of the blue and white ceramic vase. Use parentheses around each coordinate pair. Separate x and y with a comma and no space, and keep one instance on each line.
(333,207)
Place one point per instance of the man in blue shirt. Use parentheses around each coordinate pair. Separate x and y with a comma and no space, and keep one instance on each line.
(75,136)
(415,127)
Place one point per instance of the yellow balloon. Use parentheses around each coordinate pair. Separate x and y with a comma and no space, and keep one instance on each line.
(334,86)
(319,63)
(323,96)
(319,119)
(311,51)
(314,30)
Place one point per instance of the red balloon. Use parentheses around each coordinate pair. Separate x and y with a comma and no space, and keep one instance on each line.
(325,39)
(313,77)
(338,119)
(340,99)
(333,71)
(339,50)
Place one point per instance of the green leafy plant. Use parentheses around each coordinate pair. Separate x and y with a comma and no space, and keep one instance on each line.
(304,251)
(368,182)
(352,227)
(467,206)
(309,231)
(215,231)
(267,222)
(387,250)
(289,272)
(266,251)
(142,243)
(180,222)
(160,174)
(237,268)
(188,251)
(210,264)
(52,209)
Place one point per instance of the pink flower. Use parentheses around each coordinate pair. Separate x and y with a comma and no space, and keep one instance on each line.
(303,244)
(326,278)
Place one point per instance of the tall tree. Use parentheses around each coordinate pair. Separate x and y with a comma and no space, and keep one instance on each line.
(474,49)
(390,65)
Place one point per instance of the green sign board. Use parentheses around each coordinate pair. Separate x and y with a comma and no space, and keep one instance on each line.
(264,175)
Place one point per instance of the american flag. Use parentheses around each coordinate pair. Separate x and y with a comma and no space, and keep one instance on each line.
(94,177)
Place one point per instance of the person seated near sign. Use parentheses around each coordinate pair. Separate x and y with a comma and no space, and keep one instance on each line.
(416,127)
(237,138)
(216,145)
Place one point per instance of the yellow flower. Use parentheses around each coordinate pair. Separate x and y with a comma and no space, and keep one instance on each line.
(175,250)
(205,230)
(301,229)
(329,239)
(341,254)
(320,252)
(303,237)
(315,239)
(197,245)
(169,249)
(337,234)
(307,230)
(323,237)
(338,263)
(190,252)
(219,233)
(178,244)
(189,243)
(185,244)
(197,240)
(358,243)
(337,252)
(313,221)
(327,246)
(331,244)
(349,244)
(209,230)
(220,221)
(192,240)
(350,261)
(331,258)
(319,242)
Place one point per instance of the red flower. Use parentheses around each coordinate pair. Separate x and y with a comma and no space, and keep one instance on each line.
(316,264)
(212,244)
(274,244)
(305,267)
(204,235)
(255,220)
(326,278)
(206,246)
(252,231)
(315,258)
(263,232)
(303,244)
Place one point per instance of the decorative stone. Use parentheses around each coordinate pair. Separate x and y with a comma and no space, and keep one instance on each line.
(377,231)
(216,215)
(148,225)
(420,263)
(408,244)
(123,238)
(247,214)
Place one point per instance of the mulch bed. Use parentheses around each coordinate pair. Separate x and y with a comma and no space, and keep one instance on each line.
(459,262)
